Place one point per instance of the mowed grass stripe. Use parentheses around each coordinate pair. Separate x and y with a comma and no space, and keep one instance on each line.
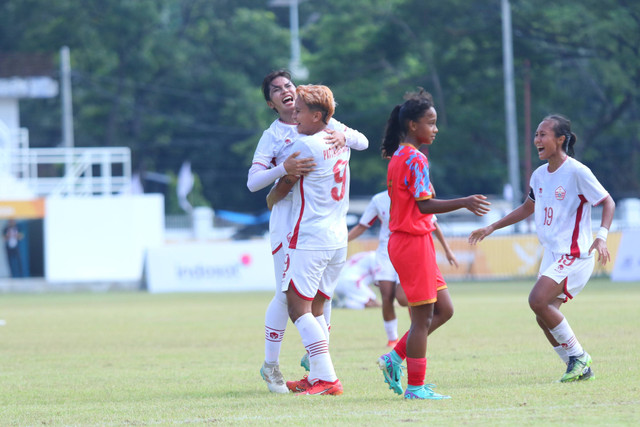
(141,359)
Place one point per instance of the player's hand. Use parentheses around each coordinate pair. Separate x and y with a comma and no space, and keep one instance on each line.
(298,167)
(452,258)
(477,204)
(270,201)
(335,138)
(600,246)
(479,234)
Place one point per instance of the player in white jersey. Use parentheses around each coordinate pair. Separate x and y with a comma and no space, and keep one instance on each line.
(272,160)
(386,277)
(352,290)
(317,247)
(561,195)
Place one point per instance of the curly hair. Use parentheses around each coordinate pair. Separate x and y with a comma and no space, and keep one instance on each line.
(414,107)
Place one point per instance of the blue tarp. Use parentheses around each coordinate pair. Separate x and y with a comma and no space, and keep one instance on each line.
(243,218)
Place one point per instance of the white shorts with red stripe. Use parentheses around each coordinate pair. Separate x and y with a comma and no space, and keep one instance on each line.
(310,272)
(384,269)
(568,271)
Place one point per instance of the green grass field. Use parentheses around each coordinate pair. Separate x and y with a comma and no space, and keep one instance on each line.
(140,359)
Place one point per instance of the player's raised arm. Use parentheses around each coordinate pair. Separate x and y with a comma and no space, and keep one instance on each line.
(340,135)
(477,204)
(521,212)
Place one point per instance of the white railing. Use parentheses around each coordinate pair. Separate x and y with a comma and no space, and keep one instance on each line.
(99,171)
(74,171)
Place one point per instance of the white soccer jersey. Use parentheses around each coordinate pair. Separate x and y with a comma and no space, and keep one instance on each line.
(321,198)
(273,149)
(563,201)
(359,269)
(354,280)
(378,208)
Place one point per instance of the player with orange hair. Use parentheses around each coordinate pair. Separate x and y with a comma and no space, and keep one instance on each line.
(273,159)
(317,247)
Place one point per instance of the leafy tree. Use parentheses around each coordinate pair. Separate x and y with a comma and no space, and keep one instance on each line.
(179,80)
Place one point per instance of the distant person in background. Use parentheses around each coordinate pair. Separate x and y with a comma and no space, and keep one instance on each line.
(12,237)
(272,160)
(352,290)
(560,197)
(385,276)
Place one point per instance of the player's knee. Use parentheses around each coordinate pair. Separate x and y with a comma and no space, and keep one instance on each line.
(447,313)
(536,303)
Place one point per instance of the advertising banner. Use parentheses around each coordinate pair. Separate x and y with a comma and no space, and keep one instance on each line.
(22,209)
(627,262)
(225,266)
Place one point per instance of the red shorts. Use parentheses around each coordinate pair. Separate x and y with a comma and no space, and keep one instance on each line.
(414,258)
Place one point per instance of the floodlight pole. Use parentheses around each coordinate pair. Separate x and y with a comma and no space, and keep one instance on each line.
(298,70)
(510,103)
(67,106)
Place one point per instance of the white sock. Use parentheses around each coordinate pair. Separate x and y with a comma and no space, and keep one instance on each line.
(566,338)
(326,310)
(391,327)
(562,353)
(325,328)
(313,339)
(275,323)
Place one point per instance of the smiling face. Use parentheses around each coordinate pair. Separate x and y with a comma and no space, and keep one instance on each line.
(424,130)
(282,94)
(306,119)
(549,145)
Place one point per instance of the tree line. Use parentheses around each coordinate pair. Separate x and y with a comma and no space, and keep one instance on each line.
(178,80)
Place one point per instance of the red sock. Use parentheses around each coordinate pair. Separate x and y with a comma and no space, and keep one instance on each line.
(416,370)
(401,346)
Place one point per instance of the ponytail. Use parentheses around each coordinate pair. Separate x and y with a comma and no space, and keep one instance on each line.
(569,142)
(562,127)
(414,107)
(393,133)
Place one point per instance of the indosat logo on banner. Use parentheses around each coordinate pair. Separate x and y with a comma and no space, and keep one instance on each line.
(215,266)
(214,271)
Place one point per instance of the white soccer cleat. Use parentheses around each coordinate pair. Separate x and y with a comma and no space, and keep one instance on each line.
(273,377)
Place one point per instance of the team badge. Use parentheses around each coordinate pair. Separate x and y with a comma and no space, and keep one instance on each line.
(560,193)
(288,141)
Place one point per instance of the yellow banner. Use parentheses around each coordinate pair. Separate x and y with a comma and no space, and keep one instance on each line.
(22,209)
(496,257)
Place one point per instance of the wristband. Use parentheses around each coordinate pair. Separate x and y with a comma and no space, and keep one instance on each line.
(602,234)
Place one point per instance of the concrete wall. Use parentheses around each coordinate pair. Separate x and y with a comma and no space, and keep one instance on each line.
(101,238)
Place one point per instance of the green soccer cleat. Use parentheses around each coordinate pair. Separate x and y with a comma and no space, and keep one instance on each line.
(304,362)
(577,367)
(587,376)
(423,392)
(392,372)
